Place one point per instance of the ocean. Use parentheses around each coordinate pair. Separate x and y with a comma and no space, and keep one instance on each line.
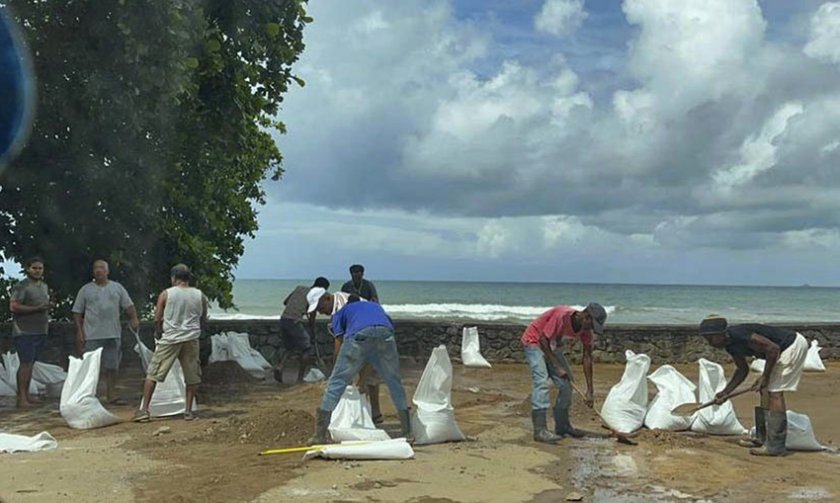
(522,302)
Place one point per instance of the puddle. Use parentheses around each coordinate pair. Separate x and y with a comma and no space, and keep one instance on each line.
(811,494)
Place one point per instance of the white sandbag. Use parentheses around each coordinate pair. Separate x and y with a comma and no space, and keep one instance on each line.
(51,376)
(351,419)
(21,443)
(11,364)
(170,396)
(232,346)
(625,408)
(673,390)
(314,375)
(6,389)
(397,448)
(800,433)
(715,419)
(757,365)
(433,418)
(470,350)
(813,362)
(79,405)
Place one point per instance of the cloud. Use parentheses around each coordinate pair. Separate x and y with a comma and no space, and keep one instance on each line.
(560,17)
(711,134)
(824,36)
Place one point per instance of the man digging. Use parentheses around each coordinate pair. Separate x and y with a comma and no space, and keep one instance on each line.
(784,352)
(547,362)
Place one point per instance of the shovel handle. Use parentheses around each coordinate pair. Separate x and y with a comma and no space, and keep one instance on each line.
(728,397)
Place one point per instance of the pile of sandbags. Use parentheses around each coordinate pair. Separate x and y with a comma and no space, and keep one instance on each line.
(46,378)
(232,346)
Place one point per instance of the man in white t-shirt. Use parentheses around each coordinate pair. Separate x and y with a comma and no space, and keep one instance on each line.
(96,313)
(180,316)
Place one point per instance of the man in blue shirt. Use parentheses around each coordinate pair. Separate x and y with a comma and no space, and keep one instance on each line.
(368,334)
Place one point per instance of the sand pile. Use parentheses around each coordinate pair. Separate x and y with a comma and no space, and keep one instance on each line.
(675,439)
(268,429)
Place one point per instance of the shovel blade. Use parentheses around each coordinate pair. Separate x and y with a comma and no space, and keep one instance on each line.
(685,409)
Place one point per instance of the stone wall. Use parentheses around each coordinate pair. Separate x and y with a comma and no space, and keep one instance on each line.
(499,341)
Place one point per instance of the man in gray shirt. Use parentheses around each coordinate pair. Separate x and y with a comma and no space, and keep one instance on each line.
(97,316)
(30,305)
(292,331)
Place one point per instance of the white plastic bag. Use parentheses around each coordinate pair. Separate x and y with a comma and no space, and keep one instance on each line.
(813,362)
(351,419)
(314,375)
(757,365)
(397,448)
(11,364)
(800,433)
(79,405)
(470,350)
(673,390)
(21,443)
(625,408)
(170,396)
(433,418)
(715,419)
(232,346)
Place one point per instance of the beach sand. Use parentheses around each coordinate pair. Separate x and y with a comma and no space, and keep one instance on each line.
(215,458)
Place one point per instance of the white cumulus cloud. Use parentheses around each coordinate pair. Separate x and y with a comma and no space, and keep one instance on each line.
(560,17)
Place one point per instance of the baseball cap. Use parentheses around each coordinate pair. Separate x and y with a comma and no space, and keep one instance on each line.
(713,324)
(599,316)
(313,297)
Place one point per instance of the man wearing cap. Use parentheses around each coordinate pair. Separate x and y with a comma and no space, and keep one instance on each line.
(368,334)
(784,352)
(292,331)
(547,362)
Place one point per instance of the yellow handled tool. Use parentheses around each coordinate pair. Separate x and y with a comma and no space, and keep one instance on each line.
(288,450)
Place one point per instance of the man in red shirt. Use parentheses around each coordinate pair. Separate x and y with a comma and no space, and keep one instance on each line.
(547,362)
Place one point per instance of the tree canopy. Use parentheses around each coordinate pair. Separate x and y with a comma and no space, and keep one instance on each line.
(152,137)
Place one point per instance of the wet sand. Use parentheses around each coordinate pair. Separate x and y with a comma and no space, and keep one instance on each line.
(215,458)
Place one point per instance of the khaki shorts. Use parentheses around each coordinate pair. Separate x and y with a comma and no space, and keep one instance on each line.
(788,369)
(165,356)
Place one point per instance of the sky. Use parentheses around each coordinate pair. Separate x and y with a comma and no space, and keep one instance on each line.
(642,141)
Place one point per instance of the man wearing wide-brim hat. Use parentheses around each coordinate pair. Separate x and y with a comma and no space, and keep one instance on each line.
(784,352)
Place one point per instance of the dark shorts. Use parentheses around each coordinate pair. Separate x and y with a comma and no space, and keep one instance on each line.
(295,336)
(29,347)
(111,351)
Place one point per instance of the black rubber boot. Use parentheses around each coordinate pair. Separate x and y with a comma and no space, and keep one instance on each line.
(774,445)
(760,430)
(405,426)
(322,423)
(541,433)
(562,425)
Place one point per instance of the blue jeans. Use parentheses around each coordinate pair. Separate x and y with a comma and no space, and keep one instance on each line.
(374,345)
(541,373)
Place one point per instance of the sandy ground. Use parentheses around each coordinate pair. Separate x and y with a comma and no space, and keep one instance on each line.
(215,458)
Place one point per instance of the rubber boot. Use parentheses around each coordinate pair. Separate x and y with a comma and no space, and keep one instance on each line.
(562,425)
(774,445)
(405,426)
(541,433)
(322,423)
(760,430)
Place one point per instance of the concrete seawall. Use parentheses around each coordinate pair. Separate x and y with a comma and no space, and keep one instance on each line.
(499,341)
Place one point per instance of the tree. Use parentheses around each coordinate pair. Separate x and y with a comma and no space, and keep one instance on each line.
(152,137)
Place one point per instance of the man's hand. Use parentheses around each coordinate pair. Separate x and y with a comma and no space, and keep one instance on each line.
(80,342)
(761,383)
(134,323)
(590,398)
(721,397)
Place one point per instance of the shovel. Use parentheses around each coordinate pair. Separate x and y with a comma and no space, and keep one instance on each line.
(688,409)
(288,450)
(621,438)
